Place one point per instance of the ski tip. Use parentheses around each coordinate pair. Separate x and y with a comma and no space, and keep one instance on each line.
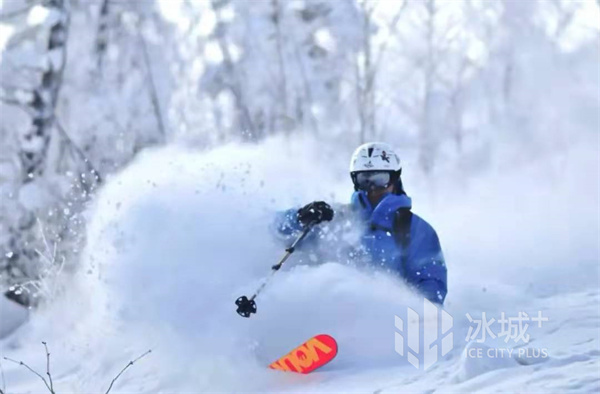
(311,355)
(328,340)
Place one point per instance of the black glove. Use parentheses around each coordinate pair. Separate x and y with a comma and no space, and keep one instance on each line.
(315,212)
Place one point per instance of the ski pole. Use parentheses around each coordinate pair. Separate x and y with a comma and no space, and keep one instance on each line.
(247,306)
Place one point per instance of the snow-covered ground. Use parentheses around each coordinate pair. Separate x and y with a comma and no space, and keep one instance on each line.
(176,237)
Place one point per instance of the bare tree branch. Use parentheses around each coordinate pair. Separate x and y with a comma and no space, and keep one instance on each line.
(50,386)
(78,151)
(46,284)
(125,368)
(48,365)
(32,371)
(392,31)
(283,99)
(307,90)
(152,89)
(249,129)
(371,10)
(565,17)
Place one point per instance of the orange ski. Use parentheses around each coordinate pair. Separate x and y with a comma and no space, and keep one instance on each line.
(312,354)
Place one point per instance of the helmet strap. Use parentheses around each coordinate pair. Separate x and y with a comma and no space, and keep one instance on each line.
(397,182)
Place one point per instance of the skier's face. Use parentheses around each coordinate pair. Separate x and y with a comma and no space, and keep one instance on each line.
(375,183)
(375,195)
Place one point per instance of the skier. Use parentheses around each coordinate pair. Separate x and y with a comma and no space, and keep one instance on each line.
(391,236)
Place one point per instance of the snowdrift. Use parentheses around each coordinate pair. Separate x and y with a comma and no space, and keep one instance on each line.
(177,236)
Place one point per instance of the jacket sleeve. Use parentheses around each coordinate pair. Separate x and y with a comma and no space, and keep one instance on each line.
(286,223)
(286,227)
(426,268)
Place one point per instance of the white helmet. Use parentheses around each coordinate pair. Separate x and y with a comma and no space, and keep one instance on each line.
(375,165)
(375,156)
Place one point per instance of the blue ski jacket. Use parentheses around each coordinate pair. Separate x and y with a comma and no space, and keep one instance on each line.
(420,261)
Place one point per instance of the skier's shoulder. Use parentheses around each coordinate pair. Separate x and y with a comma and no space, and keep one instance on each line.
(422,229)
(420,223)
(401,203)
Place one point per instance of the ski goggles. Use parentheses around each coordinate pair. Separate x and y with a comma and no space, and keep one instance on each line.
(370,180)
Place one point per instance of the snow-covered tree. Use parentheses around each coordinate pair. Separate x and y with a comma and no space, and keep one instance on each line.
(81,95)
(85,86)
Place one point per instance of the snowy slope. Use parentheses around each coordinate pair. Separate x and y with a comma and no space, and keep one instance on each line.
(175,238)
(13,316)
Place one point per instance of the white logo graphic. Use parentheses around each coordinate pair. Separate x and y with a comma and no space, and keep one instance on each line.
(514,328)
(433,335)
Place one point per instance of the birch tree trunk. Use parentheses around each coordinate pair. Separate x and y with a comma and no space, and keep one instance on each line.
(35,140)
